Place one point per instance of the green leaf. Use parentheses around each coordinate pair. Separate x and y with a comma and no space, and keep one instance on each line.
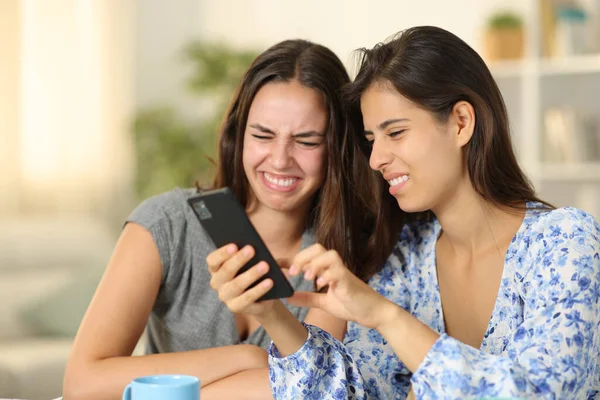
(171,151)
(505,20)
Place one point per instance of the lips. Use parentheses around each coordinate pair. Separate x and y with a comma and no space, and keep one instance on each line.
(397,181)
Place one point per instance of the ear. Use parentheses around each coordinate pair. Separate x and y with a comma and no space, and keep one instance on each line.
(462,120)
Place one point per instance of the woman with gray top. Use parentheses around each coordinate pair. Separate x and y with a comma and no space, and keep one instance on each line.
(288,151)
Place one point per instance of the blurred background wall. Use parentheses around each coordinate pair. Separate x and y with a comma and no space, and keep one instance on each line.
(341,25)
(94,93)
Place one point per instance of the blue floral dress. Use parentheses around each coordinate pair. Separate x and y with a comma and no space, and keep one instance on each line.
(542,341)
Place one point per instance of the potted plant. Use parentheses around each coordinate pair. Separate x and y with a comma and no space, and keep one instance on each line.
(172,151)
(504,39)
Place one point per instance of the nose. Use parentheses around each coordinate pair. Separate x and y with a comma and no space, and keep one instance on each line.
(281,155)
(380,156)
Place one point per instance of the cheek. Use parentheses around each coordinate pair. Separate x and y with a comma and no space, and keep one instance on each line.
(441,165)
(313,162)
(253,154)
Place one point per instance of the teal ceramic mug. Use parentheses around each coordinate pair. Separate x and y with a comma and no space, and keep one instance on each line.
(163,387)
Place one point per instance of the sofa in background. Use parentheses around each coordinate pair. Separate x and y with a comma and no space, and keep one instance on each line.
(49,269)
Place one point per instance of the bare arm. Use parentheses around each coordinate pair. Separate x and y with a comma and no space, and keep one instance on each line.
(328,322)
(100,365)
(254,383)
(280,323)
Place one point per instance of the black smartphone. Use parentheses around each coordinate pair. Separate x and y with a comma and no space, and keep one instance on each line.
(225,220)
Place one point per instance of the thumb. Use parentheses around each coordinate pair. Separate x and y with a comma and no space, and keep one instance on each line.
(307,299)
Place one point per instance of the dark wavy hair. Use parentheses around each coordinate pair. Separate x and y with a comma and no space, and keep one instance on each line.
(435,70)
(342,216)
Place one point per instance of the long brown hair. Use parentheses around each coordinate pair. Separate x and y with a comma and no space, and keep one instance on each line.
(341,215)
(435,69)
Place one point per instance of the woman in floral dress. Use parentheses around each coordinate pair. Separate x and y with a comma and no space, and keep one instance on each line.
(489,292)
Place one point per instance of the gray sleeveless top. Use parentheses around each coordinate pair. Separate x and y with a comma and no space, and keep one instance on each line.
(188,314)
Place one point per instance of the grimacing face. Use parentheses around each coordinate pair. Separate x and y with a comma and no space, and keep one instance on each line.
(418,156)
(284,146)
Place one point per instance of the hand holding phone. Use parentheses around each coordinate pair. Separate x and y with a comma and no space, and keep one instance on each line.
(225,220)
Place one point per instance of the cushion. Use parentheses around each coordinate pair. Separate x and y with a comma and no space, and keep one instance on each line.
(33,243)
(50,267)
(17,291)
(35,368)
(59,312)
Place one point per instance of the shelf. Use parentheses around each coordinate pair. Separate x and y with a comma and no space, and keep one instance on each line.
(575,65)
(507,69)
(584,64)
(571,172)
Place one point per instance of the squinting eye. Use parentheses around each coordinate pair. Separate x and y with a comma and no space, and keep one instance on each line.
(309,144)
(396,133)
(261,137)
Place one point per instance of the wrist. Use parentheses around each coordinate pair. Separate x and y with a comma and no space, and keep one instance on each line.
(273,315)
(285,330)
(390,319)
(410,338)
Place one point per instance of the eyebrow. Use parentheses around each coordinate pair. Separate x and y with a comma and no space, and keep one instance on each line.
(387,123)
(300,135)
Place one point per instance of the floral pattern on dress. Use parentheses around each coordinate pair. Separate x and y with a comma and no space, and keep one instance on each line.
(542,341)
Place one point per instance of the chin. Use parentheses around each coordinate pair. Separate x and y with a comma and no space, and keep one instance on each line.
(410,206)
(277,203)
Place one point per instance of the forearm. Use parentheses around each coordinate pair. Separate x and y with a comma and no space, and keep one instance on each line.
(251,384)
(409,337)
(285,330)
(106,379)
(328,322)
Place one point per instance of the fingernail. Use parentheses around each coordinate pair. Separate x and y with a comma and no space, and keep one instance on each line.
(231,249)
(263,267)
(292,270)
(320,281)
(308,275)
(247,251)
(266,283)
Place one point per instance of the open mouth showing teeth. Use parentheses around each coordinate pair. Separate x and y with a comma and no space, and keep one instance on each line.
(398,180)
(285,182)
